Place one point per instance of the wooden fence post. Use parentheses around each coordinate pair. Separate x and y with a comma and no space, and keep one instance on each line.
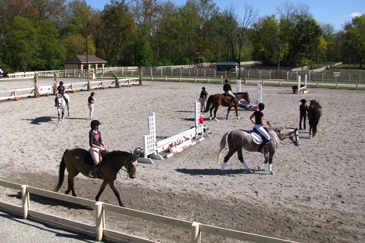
(25,201)
(99,220)
(195,233)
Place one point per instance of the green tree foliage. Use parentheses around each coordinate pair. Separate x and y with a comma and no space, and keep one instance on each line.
(20,49)
(266,43)
(305,41)
(119,32)
(354,45)
(41,34)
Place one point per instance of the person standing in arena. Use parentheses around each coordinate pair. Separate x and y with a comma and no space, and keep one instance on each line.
(91,104)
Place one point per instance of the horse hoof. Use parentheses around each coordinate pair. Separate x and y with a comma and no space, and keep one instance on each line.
(272,173)
(249,171)
(223,172)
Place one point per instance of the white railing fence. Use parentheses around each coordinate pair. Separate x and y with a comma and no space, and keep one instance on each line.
(70,87)
(98,229)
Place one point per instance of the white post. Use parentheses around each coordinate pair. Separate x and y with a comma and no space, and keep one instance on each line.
(195,233)
(238,86)
(299,78)
(259,93)
(305,81)
(25,201)
(99,220)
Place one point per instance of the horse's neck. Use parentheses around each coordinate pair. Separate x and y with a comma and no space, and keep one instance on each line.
(285,133)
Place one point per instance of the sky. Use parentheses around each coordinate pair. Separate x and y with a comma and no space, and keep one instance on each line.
(334,12)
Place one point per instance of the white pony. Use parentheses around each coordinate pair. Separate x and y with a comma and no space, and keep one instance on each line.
(61,106)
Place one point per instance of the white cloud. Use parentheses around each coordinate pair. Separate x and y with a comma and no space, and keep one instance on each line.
(354,14)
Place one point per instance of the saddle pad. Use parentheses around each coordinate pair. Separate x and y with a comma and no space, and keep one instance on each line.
(255,137)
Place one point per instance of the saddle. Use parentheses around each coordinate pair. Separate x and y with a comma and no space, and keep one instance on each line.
(89,159)
(256,135)
(227,96)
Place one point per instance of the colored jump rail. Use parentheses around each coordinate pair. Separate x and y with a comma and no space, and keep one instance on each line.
(174,144)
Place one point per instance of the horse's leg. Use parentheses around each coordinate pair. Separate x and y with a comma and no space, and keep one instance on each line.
(215,113)
(240,157)
(228,110)
(103,185)
(263,163)
(235,108)
(271,156)
(226,158)
(116,193)
(211,109)
(71,185)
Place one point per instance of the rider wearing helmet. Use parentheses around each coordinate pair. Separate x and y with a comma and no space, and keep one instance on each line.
(259,123)
(61,90)
(96,146)
(228,91)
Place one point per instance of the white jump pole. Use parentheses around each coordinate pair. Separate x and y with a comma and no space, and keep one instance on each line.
(259,93)
(238,86)
(299,79)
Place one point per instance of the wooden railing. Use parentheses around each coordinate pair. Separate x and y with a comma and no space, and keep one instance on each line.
(98,229)
(70,87)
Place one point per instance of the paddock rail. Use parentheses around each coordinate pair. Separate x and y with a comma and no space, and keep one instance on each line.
(98,229)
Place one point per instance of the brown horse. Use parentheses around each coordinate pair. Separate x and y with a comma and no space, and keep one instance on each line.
(214,101)
(314,114)
(78,160)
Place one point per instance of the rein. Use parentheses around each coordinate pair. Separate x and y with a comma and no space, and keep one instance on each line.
(129,165)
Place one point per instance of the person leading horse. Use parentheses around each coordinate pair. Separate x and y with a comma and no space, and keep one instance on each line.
(228,91)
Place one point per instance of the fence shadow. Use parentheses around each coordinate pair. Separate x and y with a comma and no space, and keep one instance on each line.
(51,202)
(211,172)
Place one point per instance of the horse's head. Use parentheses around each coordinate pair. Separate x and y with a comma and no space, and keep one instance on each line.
(132,166)
(291,133)
(243,95)
(294,137)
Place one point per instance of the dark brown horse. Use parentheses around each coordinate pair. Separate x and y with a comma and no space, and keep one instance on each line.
(214,101)
(78,160)
(314,114)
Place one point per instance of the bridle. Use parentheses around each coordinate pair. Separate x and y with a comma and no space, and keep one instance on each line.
(294,137)
(128,168)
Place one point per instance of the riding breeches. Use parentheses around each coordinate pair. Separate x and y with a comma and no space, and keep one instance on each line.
(91,109)
(230,93)
(202,104)
(95,154)
(262,131)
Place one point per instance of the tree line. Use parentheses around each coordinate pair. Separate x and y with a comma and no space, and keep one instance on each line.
(42,34)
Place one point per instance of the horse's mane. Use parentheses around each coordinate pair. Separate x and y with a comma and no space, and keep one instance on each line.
(118,153)
(281,128)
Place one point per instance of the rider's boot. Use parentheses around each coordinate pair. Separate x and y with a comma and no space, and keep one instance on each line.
(90,170)
(262,146)
(232,102)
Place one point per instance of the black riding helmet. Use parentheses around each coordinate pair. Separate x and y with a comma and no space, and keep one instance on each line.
(226,81)
(261,106)
(61,82)
(94,123)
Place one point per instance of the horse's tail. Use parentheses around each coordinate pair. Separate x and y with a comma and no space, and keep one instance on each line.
(315,120)
(209,103)
(61,174)
(222,146)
